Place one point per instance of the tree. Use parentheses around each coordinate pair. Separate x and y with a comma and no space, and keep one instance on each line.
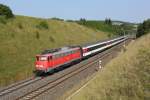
(5,11)
(82,21)
(140,30)
(108,21)
(143,28)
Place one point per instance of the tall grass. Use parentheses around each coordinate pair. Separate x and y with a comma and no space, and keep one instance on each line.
(21,40)
(125,78)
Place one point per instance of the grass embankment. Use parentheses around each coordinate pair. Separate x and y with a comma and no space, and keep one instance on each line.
(112,29)
(125,78)
(22,38)
(99,25)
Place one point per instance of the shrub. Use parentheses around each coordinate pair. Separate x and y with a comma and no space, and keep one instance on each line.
(12,35)
(5,11)
(51,39)
(69,21)
(37,35)
(59,19)
(20,26)
(109,35)
(43,25)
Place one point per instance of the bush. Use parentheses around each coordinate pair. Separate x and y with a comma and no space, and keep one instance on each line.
(20,26)
(143,28)
(12,35)
(59,19)
(51,39)
(37,35)
(69,21)
(5,11)
(43,25)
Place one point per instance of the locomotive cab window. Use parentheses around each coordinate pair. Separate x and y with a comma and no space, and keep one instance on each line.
(43,58)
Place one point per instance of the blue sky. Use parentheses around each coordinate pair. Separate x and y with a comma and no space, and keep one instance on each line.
(125,10)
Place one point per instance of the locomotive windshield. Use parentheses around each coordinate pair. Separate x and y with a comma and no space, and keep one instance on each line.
(43,58)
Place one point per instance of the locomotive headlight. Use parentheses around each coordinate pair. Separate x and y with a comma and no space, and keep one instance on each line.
(39,65)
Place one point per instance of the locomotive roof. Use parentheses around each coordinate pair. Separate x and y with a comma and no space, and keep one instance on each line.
(49,51)
(67,48)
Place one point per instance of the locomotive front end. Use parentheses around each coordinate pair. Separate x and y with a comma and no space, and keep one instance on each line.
(42,63)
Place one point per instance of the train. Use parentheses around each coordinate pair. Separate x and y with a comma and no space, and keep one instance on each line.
(51,59)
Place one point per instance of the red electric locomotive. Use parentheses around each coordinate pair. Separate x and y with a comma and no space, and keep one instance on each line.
(54,58)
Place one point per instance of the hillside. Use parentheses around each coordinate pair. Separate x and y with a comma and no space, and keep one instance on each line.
(98,25)
(127,77)
(21,38)
(115,28)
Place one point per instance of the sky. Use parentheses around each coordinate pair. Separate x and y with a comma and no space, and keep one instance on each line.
(123,10)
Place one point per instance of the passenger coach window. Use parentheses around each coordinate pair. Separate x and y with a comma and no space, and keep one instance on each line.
(65,53)
(71,52)
(96,47)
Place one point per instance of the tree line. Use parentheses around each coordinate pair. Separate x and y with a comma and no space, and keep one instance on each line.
(143,28)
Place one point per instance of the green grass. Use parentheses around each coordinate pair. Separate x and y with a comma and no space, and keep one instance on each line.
(127,77)
(98,25)
(21,40)
(116,30)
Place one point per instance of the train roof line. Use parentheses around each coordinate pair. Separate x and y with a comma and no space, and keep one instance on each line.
(101,42)
(58,50)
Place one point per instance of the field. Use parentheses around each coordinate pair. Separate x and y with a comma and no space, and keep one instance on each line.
(126,77)
(23,37)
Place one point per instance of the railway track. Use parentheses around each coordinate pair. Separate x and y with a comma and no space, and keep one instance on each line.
(41,90)
(51,85)
(18,85)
